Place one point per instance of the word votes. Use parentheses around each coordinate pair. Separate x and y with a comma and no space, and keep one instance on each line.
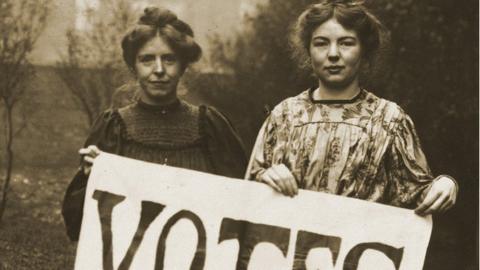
(247,233)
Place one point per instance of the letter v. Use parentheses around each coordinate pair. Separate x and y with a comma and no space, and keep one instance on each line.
(106,202)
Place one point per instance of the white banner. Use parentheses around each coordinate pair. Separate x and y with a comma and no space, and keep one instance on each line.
(146,216)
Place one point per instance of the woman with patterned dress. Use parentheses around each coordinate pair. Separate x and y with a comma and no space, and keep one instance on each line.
(337,137)
(159,127)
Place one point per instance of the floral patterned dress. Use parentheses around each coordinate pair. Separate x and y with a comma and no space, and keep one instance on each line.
(364,148)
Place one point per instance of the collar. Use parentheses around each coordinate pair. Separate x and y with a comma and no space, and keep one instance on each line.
(163,109)
(334,101)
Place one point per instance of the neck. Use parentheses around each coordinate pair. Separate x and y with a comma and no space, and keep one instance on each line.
(326,92)
(165,101)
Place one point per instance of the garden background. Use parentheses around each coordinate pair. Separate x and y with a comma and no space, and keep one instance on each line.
(430,69)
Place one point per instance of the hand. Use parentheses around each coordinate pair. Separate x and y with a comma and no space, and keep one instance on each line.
(88,156)
(441,197)
(281,179)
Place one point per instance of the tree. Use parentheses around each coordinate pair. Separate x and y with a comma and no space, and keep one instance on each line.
(93,67)
(256,66)
(431,71)
(21,22)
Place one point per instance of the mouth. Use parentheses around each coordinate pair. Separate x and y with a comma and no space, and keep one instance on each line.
(334,69)
(158,83)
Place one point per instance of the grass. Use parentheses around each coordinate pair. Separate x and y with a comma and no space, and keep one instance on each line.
(32,234)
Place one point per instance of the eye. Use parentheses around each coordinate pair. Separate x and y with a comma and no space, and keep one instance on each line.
(146,59)
(169,59)
(319,43)
(348,43)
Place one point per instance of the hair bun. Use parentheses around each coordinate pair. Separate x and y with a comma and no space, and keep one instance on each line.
(344,2)
(157,17)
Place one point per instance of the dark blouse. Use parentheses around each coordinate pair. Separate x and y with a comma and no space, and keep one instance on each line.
(181,135)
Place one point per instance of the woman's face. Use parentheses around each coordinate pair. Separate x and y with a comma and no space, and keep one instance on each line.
(158,71)
(335,54)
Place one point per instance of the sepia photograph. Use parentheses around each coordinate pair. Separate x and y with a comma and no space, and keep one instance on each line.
(239,134)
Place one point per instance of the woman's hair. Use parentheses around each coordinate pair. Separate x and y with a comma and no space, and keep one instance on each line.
(159,21)
(352,15)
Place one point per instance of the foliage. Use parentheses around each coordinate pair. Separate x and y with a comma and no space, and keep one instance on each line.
(93,67)
(430,39)
(21,22)
(431,70)
(258,61)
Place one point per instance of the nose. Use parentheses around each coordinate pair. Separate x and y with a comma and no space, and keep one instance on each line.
(333,53)
(158,68)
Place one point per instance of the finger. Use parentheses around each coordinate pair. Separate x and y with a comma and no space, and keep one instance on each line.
(87,152)
(436,205)
(86,169)
(94,150)
(453,195)
(269,181)
(290,181)
(277,178)
(281,179)
(447,205)
(295,187)
(427,202)
(88,159)
(451,200)
(84,151)
(292,186)
(270,174)
(289,186)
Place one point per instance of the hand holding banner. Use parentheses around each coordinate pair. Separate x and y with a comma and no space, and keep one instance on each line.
(146,216)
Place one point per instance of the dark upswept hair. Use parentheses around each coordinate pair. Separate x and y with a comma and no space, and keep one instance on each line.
(160,21)
(352,15)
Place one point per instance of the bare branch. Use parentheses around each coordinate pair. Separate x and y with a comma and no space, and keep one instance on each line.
(94,58)
(21,22)
(23,125)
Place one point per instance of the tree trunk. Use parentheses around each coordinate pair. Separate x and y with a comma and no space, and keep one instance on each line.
(8,157)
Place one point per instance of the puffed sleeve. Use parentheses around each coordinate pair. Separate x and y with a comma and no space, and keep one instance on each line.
(224,145)
(105,135)
(262,153)
(406,166)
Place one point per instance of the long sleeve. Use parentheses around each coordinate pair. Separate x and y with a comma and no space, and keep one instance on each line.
(407,169)
(262,153)
(103,135)
(106,132)
(224,145)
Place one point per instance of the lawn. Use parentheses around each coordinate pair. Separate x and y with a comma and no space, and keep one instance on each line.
(32,234)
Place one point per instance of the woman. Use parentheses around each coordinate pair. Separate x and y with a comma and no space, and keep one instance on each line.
(158,128)
(337,137)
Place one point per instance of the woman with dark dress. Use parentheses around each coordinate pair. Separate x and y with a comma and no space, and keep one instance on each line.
(337,137)
(159,127)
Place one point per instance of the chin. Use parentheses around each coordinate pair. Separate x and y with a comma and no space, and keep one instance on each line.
(336,82)
(158,93)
